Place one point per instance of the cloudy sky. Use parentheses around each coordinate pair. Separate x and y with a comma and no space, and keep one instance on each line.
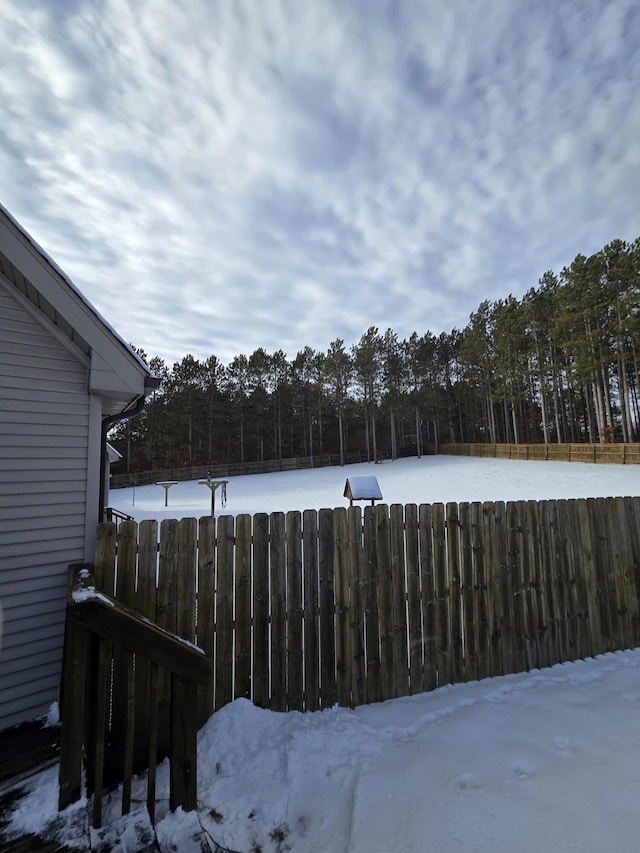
(219,175)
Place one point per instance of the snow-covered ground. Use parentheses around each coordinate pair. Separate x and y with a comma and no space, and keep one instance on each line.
(539,761)
(432,479)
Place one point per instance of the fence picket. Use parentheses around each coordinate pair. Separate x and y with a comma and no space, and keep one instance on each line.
(261,688)
(385,600)
(278,591)
(370,598)
(555,567)
(588,556)
(105,558)
(513,564)
(342,607)
(633,569)
(242,598)
(145,604)
(223,660)
(577,577)
(505,588)
(488,623)
(355,549)
(206,607)
(399,600)
(469,633)
(122,663)
(328,690)
(295,663)
(606,601)
(186,579)
(414,609)
(455,604)
(537,609)
(618,537)
(442,624)
(166,618)
(428,595)
(311,610)
(567,575)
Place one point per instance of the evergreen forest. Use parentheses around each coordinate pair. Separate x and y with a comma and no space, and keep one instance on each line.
(558,365)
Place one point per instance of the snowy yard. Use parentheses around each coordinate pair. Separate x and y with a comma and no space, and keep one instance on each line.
(432,479)
(540,761)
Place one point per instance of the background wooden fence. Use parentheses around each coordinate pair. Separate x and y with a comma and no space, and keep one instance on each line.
(303,610)
(228,469)
(624,454)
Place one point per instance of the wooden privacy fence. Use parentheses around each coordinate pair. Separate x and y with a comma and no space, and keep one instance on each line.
(623,454)
(303,610)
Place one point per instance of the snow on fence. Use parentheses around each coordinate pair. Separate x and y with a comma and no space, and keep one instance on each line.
(624,454)
(303,610)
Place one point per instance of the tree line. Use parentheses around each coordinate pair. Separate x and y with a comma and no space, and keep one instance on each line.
(558,365)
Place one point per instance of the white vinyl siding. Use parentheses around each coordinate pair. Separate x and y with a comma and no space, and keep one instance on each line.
(44,426)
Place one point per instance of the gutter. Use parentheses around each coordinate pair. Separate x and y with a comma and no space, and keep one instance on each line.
(129,411)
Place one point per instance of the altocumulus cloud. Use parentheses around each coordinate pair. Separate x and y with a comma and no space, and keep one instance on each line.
(221,176)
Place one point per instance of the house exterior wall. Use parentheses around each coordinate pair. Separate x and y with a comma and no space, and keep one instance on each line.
(46,414)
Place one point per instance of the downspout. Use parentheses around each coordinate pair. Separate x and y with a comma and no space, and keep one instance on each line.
(134,408)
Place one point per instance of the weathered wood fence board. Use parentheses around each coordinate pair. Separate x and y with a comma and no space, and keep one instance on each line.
(298,611)
(311,611)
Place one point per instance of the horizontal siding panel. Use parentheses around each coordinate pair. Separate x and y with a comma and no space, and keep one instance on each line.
(48,529)
(23,340)
(29,350)
(42,621)
(53,585)
(24,671)
(17,328)
(51,631)
(50,481)
(64,383)
(62,556)
(49,511)
(43,397)
(50,514)
(34,438)
(39,421)
(31,574)
(15,320)
(65,480)
(47,493)
(52,369)
(28,707)
(40,410)
(11,552)
(37,455)
(22,644)
(52,595)
(44,686)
